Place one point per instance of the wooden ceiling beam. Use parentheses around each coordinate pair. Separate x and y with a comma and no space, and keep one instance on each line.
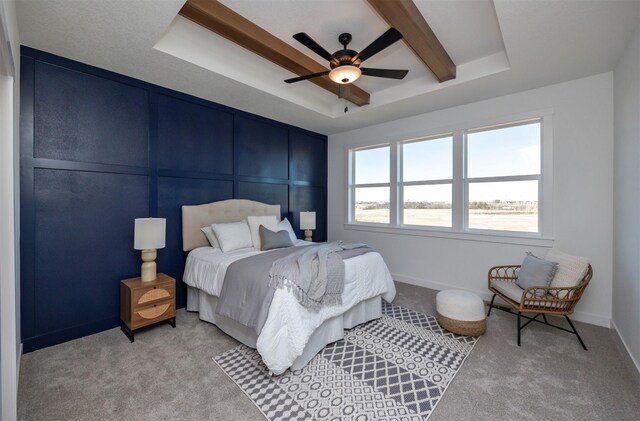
(406,18)
(218,18)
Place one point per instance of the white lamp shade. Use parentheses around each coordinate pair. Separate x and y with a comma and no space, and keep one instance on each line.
(149,233)
(307,220)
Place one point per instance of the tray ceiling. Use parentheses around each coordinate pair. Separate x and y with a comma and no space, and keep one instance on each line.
(499,46)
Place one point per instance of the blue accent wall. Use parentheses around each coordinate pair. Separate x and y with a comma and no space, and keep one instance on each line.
(99,149)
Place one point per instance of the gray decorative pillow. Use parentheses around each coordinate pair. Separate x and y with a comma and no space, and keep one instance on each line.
(211,237)
(536,272)
(274,240)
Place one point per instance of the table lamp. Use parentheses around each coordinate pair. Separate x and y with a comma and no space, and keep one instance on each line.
(149,235)
(307,223)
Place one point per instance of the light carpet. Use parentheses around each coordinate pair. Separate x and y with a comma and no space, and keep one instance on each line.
(396,367)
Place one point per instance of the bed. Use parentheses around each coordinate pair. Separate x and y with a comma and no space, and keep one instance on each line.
(292,335)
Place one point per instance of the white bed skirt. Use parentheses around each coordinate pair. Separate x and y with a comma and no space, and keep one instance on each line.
(330,331)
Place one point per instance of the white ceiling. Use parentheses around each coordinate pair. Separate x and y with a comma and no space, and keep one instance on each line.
(477,50)
(500,47)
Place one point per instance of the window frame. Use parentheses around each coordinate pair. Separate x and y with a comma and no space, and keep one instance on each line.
(402,184)
(544,236)
(353,186)
(467,181)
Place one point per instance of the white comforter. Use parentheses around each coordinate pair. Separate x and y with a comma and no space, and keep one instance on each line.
(289,325)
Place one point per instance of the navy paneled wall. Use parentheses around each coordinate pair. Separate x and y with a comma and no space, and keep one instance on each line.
(99,149)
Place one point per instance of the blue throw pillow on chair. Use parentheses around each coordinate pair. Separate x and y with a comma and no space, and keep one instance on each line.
(536,272)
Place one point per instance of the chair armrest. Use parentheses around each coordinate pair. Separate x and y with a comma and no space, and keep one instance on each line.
(552,299)
(548,293)
(503,273)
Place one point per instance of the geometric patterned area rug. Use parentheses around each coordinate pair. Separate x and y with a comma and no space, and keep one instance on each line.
(396,367)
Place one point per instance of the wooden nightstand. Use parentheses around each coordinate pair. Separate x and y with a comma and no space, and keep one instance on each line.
(146,303)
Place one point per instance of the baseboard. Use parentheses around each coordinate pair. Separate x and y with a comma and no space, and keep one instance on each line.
(580,316)
(63,335)
(592,319)
(631,361)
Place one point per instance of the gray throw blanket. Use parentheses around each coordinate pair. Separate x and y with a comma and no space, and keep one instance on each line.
(246,295)
(315,274)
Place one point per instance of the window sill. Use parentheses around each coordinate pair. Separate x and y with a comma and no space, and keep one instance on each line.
(493,237)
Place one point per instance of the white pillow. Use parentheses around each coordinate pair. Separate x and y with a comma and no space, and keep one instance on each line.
(286,225)
(211,237)
(232,236)
(270,222)
(571,269)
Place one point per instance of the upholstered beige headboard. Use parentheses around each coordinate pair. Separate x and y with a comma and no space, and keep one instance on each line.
(197,216)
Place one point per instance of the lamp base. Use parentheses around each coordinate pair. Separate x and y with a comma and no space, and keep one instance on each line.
(307,235)
(148,270)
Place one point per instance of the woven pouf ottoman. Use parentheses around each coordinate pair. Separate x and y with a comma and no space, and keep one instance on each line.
(461,312)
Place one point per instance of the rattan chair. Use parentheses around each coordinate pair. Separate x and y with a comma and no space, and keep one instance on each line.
(559,301)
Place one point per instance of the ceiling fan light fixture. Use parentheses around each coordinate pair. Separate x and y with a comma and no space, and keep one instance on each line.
(345,74)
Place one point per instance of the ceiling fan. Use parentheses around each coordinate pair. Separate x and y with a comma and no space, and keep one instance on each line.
(345,63)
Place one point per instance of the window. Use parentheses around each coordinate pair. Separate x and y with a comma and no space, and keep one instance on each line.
(371,188)
(491,180)
(426,182)
(503,177)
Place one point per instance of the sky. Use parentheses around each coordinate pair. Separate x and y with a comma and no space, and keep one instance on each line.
(491,153)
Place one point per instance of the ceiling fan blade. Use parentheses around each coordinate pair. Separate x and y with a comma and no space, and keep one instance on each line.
(306,40)
(305,77)
(392,35)
(388,73)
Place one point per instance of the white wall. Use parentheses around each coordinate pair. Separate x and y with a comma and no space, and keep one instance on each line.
(15,50)
(10,348)
(582,205)
(626,210)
